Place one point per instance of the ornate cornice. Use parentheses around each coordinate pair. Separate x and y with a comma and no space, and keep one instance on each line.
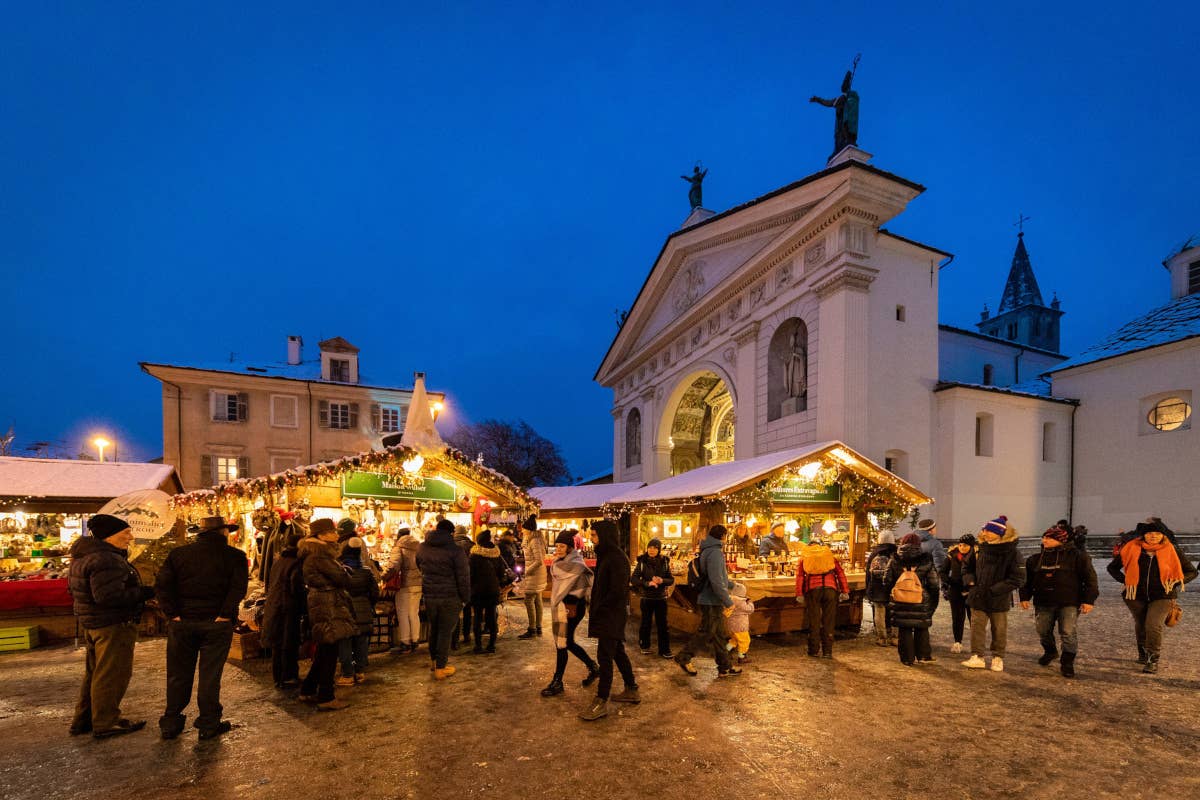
(847,279)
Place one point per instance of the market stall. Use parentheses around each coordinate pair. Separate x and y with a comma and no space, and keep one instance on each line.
(44,506)
(576,507)
(826,487)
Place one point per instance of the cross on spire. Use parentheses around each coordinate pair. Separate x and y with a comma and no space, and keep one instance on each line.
(1020,223)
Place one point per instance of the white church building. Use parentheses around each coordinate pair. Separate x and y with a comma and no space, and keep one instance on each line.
(799,317)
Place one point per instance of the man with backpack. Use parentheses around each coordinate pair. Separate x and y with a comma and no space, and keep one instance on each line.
(706,573)
(878,562)
(912,586)
(822,583)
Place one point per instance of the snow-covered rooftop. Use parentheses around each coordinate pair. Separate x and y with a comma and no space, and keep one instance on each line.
(309,370)
(569,498)
(1036,388)
(51,477)
(718,478)
(1177,320)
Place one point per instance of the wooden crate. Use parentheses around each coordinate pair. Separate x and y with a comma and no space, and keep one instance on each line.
(245,646)
(22,638)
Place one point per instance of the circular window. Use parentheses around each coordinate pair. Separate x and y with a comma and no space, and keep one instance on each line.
(1169,414)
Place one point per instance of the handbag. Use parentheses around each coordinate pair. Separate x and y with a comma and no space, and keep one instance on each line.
(572,604)
(1174,614)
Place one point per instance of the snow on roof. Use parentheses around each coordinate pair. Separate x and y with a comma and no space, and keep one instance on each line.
(1037,388)
(52,477)
(309,370)
(565,498)
(1177,320)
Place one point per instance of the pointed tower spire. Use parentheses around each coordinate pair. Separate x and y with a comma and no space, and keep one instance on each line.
(419,431)
(1022,287)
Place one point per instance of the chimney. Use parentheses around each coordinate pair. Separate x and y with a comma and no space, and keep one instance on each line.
(294,345)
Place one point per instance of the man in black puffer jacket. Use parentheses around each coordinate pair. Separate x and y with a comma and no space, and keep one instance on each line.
(991,574)
(446,586)
(609,612)
(109,598)
(199,588)
(652,577)
(1061,582)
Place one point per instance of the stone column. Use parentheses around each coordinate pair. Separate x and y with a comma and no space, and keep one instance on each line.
(843,356)
(742,357)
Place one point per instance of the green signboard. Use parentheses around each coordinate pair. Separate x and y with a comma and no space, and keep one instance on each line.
(797,491)
(375,484)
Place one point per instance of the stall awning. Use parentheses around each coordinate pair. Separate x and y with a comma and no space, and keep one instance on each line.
(81,480)
(730,476)
(574,498)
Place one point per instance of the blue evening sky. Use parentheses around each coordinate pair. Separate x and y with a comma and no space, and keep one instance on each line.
(471,190)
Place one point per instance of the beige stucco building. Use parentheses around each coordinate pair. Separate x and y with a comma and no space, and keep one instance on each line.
(238,420)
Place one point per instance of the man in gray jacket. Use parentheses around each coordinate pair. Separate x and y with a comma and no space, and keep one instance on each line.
(715,605)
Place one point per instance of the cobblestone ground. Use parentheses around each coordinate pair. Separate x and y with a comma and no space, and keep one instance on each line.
(861,725)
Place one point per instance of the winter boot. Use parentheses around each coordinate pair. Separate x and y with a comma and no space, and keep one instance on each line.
(1151,664)
(1068,665)
(529,634)
(491,646)
(1142,655)
(629,695)
(1049,654)
(555,688)
(596,709)
(593,674)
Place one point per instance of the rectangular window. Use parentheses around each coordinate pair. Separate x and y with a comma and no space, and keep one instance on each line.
(989,374)
(889,464)
(339,415)
(983,434)
(230,468)
(339,370)
(283,411)
(1194,277)
(389,419)
(900,314)
(1012,330)
(228,406)
(1048,441)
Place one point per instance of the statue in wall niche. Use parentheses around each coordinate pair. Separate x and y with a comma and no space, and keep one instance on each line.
(795,367)
(695,179)
(845,106)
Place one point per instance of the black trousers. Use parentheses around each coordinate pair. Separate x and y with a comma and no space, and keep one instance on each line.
(654,609)
(443,615)
(609,651)
(913,643)
(572,648)
(820,614)
(189,642)
(485,621)
(319,680)
(285,659)
(711,633)
(960,612)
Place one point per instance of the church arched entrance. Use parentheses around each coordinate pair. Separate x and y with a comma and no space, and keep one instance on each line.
(701,424)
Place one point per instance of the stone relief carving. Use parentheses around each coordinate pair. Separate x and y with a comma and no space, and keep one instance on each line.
(696,334)
(735,309)
(689,287)
(757,294)
(714,325)
(730,355)
(814,255)
(785,275)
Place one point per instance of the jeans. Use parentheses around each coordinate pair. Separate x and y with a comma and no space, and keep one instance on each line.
(572,648)
(913,643)
(884,630)
(609,651)
(533,610)
(352,652)
(189,642)
(820,614)
(710,633)
(485,621)
(960,612)
(319,680)
(979,626)
(1066,616)
(408,614)
(1148,619)
(654,609)
(285,658)
(443,617)
(109,666)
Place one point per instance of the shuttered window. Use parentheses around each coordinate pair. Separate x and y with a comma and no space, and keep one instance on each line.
(337,415)
(229,406)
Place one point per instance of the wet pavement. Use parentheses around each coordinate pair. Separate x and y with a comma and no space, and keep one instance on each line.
(861,725)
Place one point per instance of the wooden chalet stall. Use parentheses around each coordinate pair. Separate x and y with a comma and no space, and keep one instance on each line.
(825,486)
(567,507)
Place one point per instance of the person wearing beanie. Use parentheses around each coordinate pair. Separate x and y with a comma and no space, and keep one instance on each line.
(330,616)
(446,587)
(716,604)
(774,543)
(281,614)
(912,586)
(607,618)
(1061,583)
(108,598)
(652,579)
(954,590)
(878,562)
(533,581)
(991,574)
(488,577)
(1152,570)
(364,594)
(739,623)
(200,587)
(463,539)
(927,530)
(570,591)
(403,576)
(822,583)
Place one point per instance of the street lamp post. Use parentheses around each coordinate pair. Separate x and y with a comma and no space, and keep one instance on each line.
(101,443)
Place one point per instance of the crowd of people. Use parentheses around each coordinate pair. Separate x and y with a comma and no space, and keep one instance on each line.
(323,589)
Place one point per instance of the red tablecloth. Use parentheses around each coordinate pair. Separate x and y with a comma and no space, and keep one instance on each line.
(15,595)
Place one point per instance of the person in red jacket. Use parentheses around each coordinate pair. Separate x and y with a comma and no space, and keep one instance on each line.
(821,582)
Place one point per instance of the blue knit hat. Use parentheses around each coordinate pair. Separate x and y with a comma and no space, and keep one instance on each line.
(998,526)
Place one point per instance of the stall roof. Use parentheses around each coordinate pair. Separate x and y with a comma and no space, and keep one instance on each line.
(57,477)
(732,475)
(569,498)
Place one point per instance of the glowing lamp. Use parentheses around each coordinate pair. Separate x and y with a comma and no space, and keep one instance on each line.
(809,470)
(829,526)
(791,526)
(414,464)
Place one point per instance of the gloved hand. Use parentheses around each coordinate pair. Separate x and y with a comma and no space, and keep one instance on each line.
(844,596)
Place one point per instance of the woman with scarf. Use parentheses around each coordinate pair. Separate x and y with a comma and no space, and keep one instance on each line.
(487,577)
(953,588)
(569,595)
(1152,571)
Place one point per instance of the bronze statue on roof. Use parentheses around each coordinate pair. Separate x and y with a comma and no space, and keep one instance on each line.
(845,127)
